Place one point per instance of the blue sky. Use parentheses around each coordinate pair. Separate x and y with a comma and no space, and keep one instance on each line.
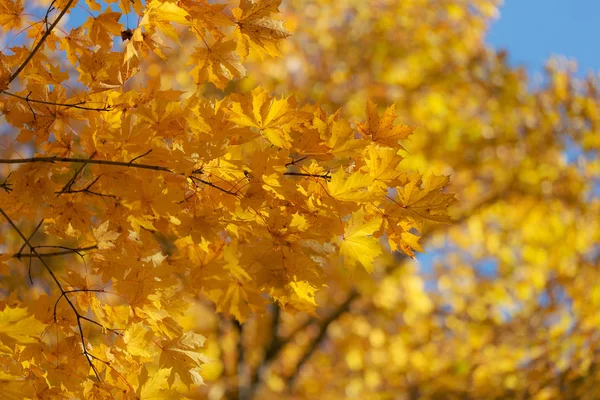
(534,30)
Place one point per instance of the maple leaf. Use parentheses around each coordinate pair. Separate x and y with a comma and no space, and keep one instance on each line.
(76,43)
(138,340)
(10,14)
(18,325)
(382,130)
(237,299)
(16,387)
(154,386)
(207,16)
(103,28)
(354,187)
(256,30)
(336,133)
(161,14)
(183,356)
(218,64)
(425,199)
(142,42)
(274,118)
(104,237)
(383,165)
(358,243)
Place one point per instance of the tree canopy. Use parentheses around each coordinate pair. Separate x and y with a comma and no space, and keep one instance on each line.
(198,205)
(122,198)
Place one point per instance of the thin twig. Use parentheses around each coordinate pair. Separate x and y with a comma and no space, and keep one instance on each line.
(5,185)
(325,176)
(64,293)
(51,103)
(41,42)
(71,181)
(140,156)
(67,250)
(31,236)
(55,159)
(296,161)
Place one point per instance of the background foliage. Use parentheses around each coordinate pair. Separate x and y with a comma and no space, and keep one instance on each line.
(504,302)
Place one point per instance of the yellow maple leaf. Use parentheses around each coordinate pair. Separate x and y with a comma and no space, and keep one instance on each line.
(104,237)
(256,30)
(138,340)
(382,129)
(161,14)
(358,244)
(183,356)
(350,188)
(155,386)
(336,133)
(103,28)
(273,117)
(218,64)
(382,163)
(15,387)
(18,325)
(425,199)
(10,14)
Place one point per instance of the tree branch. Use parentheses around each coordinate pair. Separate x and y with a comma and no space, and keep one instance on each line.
(272,349)
(89,357)
(51,103)
(41,42)
(323,326)
(55,159)
(324,176)
(67,250)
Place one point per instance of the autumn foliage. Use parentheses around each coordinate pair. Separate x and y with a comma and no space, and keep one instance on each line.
(217,200)
(122,199)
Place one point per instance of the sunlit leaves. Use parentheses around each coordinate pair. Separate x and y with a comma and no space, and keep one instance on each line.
(10,14)
(255,29)
(103,28)
(272,117)
(183,355)
(382,129)
(218,64)
(135,188)
(350,187)
(17,325)
(358,243)
(104,238)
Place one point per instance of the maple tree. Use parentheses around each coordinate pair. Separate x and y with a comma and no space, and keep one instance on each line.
(124,200)
(505,305)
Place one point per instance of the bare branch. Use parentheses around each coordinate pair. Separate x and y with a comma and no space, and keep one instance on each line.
(68,250)
(31,236)
(293,162)
(71,181)
(78,105)
(55,159)
(5,185)
(140,156)
(326,176)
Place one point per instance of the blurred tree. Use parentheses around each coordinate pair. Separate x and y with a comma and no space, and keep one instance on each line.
(504,302)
